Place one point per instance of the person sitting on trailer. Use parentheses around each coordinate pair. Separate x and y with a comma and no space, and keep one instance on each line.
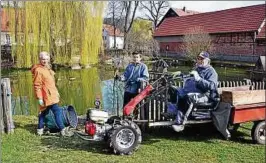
(135,73)
(204,81)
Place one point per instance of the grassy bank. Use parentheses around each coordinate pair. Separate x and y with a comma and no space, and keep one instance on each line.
(195,144)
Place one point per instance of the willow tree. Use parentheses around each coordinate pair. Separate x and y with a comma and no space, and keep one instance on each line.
(65,29)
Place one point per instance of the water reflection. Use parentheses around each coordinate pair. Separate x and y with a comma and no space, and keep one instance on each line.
(113,96)
(76,87)
(80,88)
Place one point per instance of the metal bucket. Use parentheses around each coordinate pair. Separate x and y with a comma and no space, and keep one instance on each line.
(68,114)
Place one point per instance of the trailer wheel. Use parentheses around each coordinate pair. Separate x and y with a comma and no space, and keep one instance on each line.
(258,132)
(124,140)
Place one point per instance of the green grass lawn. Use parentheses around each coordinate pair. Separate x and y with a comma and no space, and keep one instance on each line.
(199,144)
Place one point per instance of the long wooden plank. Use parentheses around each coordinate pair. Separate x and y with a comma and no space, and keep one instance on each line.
(157,108)
(238,88)
(152,109)
(243,97)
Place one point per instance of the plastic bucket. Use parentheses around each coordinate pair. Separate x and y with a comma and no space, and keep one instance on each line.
(68,115)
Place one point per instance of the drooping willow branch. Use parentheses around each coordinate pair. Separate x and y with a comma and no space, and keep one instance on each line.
(65,29)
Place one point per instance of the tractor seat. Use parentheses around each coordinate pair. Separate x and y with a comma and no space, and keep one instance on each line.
(201,101)
(204,105)
(211,105)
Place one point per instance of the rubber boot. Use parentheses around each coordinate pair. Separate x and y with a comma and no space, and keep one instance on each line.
(40,132)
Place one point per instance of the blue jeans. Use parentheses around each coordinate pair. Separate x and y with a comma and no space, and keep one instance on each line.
(181,108)
(57,111)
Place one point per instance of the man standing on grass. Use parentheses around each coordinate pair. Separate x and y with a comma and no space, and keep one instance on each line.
(135,73)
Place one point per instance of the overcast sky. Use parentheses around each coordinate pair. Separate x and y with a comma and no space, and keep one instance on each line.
(207,6)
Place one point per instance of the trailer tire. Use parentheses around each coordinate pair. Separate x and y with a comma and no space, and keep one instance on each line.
(124,140)
(258,132)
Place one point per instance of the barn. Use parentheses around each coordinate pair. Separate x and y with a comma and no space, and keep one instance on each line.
(236,34)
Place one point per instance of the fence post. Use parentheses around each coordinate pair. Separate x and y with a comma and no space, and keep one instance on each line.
(2,128)
(6,106)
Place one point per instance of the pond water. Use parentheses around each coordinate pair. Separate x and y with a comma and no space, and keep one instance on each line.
(80,88)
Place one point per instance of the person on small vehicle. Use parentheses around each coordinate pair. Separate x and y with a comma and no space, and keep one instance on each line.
(204,81)
(134,74)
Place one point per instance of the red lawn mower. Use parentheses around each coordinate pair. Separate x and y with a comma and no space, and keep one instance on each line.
(121,133)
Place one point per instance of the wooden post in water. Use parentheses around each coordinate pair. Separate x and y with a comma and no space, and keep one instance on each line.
(6,111)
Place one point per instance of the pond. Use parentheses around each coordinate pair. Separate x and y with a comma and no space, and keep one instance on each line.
(80,88)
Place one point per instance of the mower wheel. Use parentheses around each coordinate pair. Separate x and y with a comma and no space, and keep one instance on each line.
(112,119)
(124,140)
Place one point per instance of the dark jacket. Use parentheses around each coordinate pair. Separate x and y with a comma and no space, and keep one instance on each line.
(207,83)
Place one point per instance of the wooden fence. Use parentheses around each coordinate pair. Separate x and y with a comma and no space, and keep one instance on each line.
(6,121)
(152,107)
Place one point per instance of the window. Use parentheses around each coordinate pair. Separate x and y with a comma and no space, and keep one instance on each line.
(261,42)
(7,39)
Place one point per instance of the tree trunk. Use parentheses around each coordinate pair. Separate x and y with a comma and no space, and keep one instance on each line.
(114,25)
(128,10)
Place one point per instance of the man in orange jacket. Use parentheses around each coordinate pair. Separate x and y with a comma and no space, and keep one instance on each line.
(46,93)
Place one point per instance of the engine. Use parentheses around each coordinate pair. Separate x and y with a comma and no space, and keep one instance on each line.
(122,136)
(95,125)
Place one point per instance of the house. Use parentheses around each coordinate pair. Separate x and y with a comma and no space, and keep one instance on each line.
(5,31)
(6,25)
(109,37)
(237,34)
(176,12)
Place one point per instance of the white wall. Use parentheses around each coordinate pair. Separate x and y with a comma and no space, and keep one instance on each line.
(105,39)
(4,40)
(109,40)
(119,42)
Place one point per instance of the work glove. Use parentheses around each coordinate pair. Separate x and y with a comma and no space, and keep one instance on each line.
(140,80)
(122,78)
(41,102)
(196,75)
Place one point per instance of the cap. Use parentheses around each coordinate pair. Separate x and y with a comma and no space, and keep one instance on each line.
(204,54)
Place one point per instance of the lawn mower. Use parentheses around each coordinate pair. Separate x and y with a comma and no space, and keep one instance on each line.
(121,133)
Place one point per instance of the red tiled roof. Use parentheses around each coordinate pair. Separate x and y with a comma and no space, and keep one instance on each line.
(181,12)
(4,20)
(110,30)
(262,32)
(224,21)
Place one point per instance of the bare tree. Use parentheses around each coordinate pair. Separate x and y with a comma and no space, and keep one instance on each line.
(130,8)
(140,37)
(195,41)
(115,12)
(155,10)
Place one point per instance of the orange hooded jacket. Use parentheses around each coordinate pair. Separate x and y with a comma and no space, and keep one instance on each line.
(44,85)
